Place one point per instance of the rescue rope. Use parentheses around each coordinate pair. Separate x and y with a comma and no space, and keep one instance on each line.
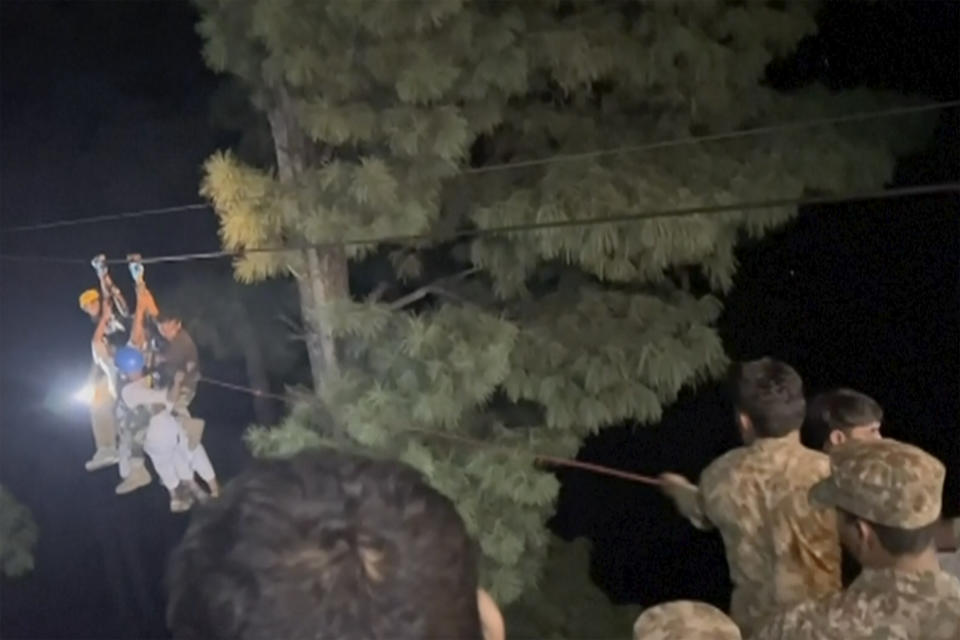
(543,459)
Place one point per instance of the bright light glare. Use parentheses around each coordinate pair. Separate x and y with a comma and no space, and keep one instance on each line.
(84,395)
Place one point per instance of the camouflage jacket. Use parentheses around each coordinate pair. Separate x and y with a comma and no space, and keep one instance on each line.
(879,605)
(780,550)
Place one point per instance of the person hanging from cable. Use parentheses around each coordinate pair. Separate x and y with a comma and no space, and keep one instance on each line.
(106,307)
(162,434)
(176,364)
(133,421)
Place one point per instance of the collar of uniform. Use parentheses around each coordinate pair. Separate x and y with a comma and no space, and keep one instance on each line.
(883,580)
(792,439)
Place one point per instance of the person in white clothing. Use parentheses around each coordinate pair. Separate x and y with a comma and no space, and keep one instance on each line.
(164,441)
(159,438)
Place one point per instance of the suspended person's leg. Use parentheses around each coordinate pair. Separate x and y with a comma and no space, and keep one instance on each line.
(200,463)
(162,445)
(103,426)
(133,467)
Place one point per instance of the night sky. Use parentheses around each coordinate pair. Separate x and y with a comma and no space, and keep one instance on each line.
(105,108)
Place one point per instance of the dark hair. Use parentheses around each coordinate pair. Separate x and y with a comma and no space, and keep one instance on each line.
(325,545)
(168,316)
(897,541)
(770,393)
(838,410)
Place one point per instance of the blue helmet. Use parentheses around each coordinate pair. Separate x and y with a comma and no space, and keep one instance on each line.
(128,360)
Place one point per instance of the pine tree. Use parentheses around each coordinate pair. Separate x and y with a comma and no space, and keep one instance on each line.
(568,604)
(18,536)
(526,341)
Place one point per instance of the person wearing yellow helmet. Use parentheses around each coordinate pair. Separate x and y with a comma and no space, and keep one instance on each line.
(102,380)
(90,302)
(99,306)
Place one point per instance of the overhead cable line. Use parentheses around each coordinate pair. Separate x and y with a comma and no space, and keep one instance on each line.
(715,137)
(127,215)
(547,460)
(700,210)
(661,144)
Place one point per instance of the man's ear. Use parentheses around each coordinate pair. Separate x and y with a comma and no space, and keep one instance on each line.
(868,537)
(837,437)
(491,620)
(745,427)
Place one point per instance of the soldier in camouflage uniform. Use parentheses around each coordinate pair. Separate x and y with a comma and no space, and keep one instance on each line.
(779,549)
(684,620)
(887,496)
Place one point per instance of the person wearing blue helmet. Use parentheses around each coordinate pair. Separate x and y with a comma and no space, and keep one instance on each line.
(132,421)
(131,361)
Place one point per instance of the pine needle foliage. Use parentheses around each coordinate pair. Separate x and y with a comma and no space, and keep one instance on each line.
(18,536)
(569,605)
(526,341)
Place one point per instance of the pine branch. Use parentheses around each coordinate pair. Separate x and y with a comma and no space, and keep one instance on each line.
(377,293)
(434,288)
(297,333)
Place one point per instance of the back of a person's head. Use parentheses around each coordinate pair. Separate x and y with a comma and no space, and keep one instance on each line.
(685,620)
(325,546)
(770,394)
(838,410)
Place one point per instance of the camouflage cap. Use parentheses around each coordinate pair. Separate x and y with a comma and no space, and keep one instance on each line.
(883,481)
(684,620)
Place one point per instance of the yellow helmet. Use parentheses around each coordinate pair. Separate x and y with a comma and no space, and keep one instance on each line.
(88,297)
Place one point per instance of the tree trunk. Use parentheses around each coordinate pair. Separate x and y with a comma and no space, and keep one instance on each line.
(324,279)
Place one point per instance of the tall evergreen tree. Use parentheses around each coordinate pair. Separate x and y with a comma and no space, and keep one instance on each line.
(528,341)
(18,536)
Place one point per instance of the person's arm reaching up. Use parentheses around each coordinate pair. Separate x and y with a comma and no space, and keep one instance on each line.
(146,307)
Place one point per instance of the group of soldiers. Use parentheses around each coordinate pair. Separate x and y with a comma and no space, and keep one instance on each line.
(144,377)
(329,544)
(794,515)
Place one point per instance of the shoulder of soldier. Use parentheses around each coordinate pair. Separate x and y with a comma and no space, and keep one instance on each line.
(721,468)
(816,463)
(828,618)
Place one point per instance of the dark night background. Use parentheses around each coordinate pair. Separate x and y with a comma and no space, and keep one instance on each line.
(105,108)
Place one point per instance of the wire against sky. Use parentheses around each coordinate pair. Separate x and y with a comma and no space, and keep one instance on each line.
(662,144)
(544,459)
(141,213)
(704,210)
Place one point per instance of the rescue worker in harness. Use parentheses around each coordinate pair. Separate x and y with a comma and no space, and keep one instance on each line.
(133,420)
(100,305)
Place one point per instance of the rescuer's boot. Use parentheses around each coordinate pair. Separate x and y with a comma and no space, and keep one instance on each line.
(137,478)
(195,490)
(214,487)
(103,457)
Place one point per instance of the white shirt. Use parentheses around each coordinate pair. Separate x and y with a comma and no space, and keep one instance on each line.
(138,393)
